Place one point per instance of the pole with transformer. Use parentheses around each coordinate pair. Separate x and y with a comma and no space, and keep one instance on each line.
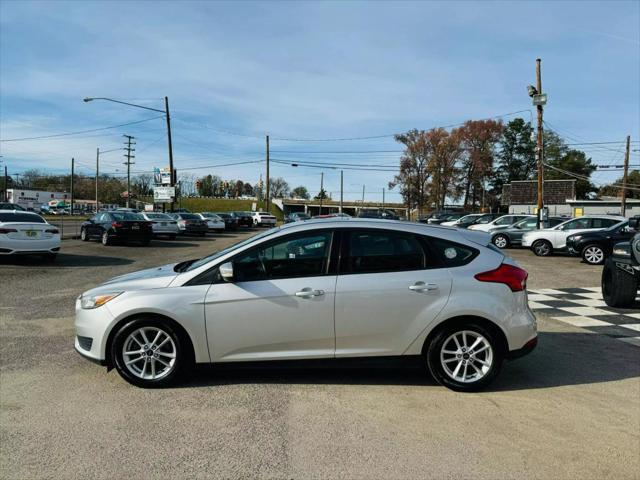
(540,147)
(363,194)
(6,185)
(267,196)
(170,144)
(383,198)
(129,149)
(623,202)
(97,174)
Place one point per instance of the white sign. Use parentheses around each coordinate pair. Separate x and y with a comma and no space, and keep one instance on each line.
(161,194)
(162,176)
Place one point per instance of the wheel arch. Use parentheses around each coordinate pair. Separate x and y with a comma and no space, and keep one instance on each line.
(184,336)
(488,324)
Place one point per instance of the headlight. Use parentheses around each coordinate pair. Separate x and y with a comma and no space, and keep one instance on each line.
(574,238)
(622,250)
(96,301)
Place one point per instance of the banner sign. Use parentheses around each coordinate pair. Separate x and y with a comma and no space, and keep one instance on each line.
(163,194)
(162,176)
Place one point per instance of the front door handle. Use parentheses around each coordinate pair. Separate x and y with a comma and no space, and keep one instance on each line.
(308,293)
(422,287)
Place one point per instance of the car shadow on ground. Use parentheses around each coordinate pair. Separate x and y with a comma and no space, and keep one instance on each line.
(561,359)
(65,260)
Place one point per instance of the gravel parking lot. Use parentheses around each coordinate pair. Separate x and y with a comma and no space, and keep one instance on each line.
(570,409)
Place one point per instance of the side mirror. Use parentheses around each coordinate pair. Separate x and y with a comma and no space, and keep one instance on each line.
(634,223)
(226,271)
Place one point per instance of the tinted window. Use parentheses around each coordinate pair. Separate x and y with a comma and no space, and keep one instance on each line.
(453,254)
(380,251)
(555,221)
(505,221)
(158,216)
(527,224)
(189,216)
(577,223)
(603,222)
(296,256)
(21,217)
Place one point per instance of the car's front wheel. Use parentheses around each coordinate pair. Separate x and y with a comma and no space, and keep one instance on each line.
(500,241)
(465,357)
(105,238)
(542,248)
(83,235)
(593,254)
(149,353)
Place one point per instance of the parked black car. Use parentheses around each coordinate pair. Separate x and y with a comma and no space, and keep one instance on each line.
(244,218)
(296,217)
(190,224)
(230,222)
(621,272)
(595,246)
(378,213)
(114,226)
(511,235)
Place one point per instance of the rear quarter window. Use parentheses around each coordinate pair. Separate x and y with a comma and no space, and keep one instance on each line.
(452,254)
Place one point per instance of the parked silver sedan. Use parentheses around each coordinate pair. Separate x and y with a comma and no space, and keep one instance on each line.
(321,289)
(163,224)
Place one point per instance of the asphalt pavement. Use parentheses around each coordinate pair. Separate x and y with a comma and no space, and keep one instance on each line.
(571,409)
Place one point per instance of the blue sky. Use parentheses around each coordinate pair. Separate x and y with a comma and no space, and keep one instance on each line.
(304,70)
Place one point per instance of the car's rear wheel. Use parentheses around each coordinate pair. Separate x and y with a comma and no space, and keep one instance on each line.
(593,254)
(542,248)
(465,357)
(83,235)
(149,353)
(105,238)
(500,241)
(619,289)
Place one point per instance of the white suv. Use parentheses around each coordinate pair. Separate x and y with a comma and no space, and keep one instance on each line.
(320,289)
(545,241)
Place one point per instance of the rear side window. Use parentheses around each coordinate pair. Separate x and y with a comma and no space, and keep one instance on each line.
(126,216)
(604,222)
(21,217)
(452,254)
(383,251)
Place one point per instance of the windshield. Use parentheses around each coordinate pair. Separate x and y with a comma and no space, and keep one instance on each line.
(158,216)
(209,215)
(126,216)
(219,254)
(189,216)
(617,226)
(468,218)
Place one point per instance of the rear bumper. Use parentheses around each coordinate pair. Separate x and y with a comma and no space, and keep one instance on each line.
(28,247)
(525,350)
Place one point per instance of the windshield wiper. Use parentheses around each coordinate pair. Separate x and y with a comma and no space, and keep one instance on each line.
(182,266)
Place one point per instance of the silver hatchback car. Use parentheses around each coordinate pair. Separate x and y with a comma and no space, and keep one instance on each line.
(321,289)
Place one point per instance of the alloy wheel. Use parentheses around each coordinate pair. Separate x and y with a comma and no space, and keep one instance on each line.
(541,249)
(149,353)
(466,356)
(593,255)
(500,241)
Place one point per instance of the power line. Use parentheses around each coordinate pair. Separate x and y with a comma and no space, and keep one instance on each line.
(80,132)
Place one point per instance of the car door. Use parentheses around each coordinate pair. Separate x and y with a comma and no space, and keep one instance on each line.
(559,235)
(93,228)
(388,290)
(621,234)
(279,304)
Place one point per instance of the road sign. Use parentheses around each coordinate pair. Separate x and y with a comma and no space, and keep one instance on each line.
(163,194)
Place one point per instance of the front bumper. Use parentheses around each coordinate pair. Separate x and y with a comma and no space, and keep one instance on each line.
(93,325)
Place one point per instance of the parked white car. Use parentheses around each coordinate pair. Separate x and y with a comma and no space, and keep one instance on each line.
(545,241)
(330,289)
(162,224)
(461,220)
(27,233)
(503,221)
(213,221)
(263,219)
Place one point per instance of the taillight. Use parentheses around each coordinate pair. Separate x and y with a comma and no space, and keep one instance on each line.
(52,230)
(513,277)
(8,230)
(116,224)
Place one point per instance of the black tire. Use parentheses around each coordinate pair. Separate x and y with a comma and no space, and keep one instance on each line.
(619,289)
(83,235)
(182,363)
(542,248)
(593,254)
(145,242)
(433,352)
(106,241)
(500,240)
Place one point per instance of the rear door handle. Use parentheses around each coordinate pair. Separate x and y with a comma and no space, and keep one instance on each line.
(308,293)
(422,287)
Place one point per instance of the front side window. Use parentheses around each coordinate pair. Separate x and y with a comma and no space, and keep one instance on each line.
(505,221)
(604,222)
(295,256)
(383,251)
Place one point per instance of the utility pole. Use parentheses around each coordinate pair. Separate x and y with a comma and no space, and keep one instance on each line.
(383,198)
(363,194)
(540,147)
(129,156)
(72,167)
(97,174)
(166,110)
(267,197)
(6,185)
(321,190)
(623,203)
(341,188)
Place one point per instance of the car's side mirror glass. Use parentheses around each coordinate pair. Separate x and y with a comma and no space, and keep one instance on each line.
(226,271)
